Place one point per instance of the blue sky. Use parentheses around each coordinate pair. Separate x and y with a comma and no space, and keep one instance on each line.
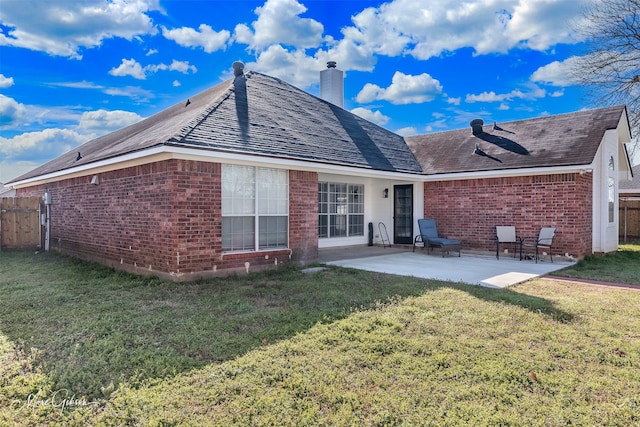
(72,70)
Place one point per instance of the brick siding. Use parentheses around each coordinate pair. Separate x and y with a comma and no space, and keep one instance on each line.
(303,215)
(165,218)
(470,209)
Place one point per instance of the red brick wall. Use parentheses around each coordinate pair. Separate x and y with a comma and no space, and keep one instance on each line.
(303,215)
(126,219)
(165,217)
(470,209)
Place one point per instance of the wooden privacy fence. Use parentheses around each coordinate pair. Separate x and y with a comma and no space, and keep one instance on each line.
(629,220)
(20,223)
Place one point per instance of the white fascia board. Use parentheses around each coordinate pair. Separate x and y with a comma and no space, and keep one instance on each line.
(283,163)
(136,157)
(164,152)
(502,173)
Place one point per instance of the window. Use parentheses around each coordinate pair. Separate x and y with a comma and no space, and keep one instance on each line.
(612,189)
(340,210)
(255,208)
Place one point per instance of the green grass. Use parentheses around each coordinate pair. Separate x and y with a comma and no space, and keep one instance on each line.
(619,267)
(337,347)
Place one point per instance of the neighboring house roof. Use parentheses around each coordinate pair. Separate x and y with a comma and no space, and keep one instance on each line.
(632,187)
(258,115)
(561,140)
(6,191)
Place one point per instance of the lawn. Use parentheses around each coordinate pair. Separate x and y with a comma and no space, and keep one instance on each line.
(81,344)
(619,267)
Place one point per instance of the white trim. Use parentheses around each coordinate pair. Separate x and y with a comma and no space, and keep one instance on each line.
(502,173)
(163,152)
(149,155)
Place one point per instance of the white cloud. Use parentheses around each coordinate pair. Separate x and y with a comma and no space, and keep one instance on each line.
(427,29)
(64,28)
(25,151)
(533,93)
(486,97)
(5,82)
(42,145)
(540,24)
(373,116)
(103,121)
(279,23)
(131,67)
(11,111)
(454,101)
(280,36)
(12,170)
(79,85)
(370,92)
(557,73)
(302,70)
(294,67)
(205,37)
(377,29)
(133,92)
(180,66)
(176,83)
(408,131)
(404,89)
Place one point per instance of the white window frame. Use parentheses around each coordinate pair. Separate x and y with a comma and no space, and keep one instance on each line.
(350,207)
(250,196)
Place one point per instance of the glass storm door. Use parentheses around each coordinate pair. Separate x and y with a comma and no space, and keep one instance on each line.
(403,214)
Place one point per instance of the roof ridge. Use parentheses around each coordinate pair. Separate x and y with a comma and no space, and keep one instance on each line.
(531,119)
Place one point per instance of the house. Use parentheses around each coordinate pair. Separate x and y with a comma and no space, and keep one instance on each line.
(561,171)
(630,207)
(6,191)
(254,172)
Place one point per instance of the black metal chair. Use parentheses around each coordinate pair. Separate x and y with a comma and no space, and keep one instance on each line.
(430,238)
(544,241)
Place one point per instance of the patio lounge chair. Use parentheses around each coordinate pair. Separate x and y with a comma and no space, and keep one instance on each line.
(506,234)
(429,237)
(544,241)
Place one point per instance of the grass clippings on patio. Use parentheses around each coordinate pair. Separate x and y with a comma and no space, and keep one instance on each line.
(336,347)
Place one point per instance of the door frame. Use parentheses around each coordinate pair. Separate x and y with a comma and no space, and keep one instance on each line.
(408,211)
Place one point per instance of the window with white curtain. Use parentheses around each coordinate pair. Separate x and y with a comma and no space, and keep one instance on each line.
(255,208)
(340,209)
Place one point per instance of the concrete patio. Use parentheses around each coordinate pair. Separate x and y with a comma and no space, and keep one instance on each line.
(475,269)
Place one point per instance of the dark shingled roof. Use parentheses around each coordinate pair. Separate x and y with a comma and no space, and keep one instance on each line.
(258,115)
(561,140)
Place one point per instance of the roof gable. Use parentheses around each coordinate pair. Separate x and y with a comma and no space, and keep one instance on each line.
(561,140)
(263,115)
